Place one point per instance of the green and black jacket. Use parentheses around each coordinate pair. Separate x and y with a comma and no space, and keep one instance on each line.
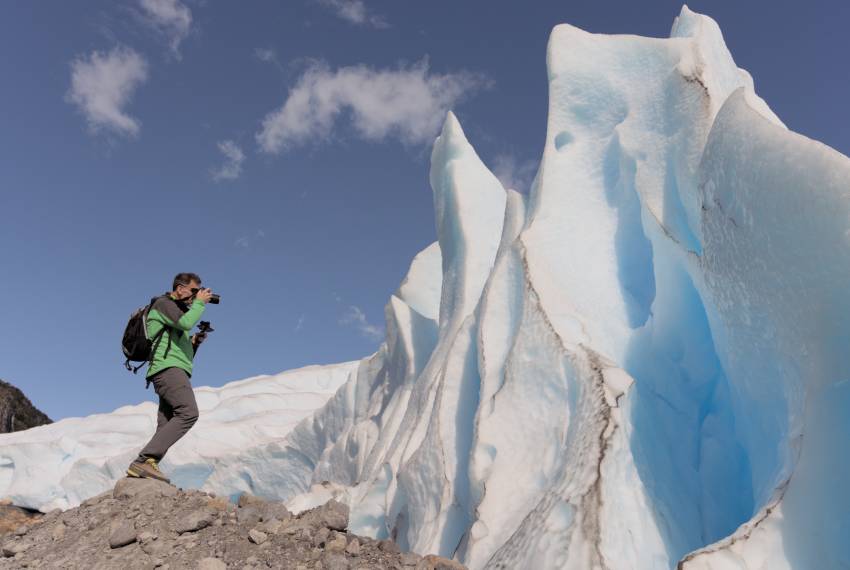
(179,319)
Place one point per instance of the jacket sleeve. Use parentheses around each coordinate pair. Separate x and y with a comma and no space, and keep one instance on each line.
(174,317)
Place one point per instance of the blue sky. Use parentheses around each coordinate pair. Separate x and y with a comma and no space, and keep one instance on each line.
(143,138)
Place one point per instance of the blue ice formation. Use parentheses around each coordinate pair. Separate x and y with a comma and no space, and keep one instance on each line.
(642,364)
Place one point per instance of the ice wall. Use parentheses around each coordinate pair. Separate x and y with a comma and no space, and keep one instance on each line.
(236,445)
(639,365)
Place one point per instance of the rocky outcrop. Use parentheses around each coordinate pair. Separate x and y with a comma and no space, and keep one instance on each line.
(147,524)
(17,412)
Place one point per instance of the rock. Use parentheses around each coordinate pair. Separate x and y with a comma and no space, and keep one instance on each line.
(181,532)
(52,514)
(16,411)
(134,488)
(155,547)
(389,546)
(122,534)
(211,563)
(409,559)
(218,503)
(16,548)
(334,561)
(276,511)
(271,526)
(353,547)
(246,499)
(195,520)
(337,543)
(294,526)
(58,531)
(249,515)
(256,536)
(91,501)
(434,562)
(332,515)
(305,534)
(21,530)
(321,537)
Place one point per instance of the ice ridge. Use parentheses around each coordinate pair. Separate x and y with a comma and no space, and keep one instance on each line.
(640,364)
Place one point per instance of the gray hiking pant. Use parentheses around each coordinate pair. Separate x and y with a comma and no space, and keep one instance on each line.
(178,411)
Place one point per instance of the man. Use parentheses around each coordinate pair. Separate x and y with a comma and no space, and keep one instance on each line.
(171,368)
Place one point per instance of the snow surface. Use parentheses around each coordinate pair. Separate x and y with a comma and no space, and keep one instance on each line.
(641,364)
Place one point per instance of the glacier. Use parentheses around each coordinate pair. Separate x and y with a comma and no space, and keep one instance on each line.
(639,364)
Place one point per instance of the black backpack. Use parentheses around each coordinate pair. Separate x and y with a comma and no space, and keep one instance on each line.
(136,344)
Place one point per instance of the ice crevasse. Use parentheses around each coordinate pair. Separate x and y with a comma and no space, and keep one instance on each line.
(642,363)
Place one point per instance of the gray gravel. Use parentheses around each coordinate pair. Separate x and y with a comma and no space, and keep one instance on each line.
(145,524)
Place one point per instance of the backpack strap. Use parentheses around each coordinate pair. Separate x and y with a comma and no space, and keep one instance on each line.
(156,340)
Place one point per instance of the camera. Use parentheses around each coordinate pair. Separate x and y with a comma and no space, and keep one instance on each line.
(204,327)
(214,299)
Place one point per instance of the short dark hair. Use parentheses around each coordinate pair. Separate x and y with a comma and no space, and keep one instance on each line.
(184,279)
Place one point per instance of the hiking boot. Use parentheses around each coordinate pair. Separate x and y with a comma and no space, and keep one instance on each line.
(149,470)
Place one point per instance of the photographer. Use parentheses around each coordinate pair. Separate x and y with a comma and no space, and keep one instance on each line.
(171,367)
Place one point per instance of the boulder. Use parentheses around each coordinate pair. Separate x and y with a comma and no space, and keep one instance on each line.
(134,488)
(195,520)
(332,515)
(211,563)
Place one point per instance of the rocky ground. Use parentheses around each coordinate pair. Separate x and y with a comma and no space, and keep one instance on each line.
(146,524)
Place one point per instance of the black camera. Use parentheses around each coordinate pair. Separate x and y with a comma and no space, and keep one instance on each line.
(214,299)
(204,327)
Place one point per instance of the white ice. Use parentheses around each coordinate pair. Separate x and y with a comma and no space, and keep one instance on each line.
(234,446)
(641,364)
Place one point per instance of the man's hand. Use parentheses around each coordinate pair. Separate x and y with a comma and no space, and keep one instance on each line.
(198,338)
(204,295)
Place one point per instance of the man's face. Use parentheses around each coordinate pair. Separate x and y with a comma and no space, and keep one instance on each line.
(185,291)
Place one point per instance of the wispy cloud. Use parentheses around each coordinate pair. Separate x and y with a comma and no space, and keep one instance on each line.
(300,324)
(246,241)
(356,317)
(265,54)
(102,84)
(171,18)
(355,11)
(268,55)
(514,174)
(233,159)
(407,103)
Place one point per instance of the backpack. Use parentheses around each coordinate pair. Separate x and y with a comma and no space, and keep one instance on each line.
(136,345)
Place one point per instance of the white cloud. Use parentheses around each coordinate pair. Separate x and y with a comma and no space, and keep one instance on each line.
(246,241)
(355,11)
(171,18)
(233,159)
(103,83)
(265,54)
(513,174)
(355,316)
(408,103)
(300,324)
